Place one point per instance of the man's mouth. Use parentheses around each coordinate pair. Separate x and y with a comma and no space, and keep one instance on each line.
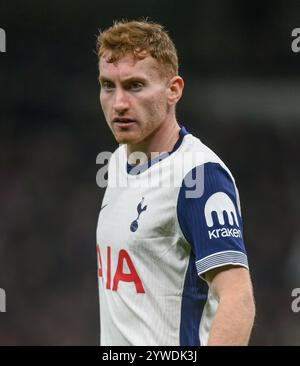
(123,122)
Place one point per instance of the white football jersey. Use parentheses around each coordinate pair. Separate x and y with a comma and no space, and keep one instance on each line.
(160,228)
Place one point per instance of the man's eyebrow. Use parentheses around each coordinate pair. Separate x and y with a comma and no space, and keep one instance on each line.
(124,81)
(134,78)
(103,78)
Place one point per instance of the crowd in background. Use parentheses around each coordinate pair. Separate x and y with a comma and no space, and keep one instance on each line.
(51,130)
(49,207)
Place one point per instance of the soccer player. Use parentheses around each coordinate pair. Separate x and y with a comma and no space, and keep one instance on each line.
(172,265)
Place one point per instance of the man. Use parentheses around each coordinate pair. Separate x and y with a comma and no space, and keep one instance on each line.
(172,263)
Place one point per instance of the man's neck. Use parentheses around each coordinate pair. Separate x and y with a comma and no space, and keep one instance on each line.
(161,140)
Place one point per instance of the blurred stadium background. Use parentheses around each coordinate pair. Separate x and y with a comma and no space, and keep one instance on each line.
(242,98)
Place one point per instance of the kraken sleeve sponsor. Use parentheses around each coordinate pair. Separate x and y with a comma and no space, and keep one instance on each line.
(212,223)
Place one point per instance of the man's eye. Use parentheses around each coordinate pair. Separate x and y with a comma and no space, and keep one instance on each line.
(107,86)
(136,86)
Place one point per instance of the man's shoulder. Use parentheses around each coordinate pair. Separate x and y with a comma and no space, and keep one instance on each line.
(199,152)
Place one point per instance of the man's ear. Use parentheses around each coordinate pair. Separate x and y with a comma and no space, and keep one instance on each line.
(176,85)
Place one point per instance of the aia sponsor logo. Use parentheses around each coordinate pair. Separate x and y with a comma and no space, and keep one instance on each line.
(124,271)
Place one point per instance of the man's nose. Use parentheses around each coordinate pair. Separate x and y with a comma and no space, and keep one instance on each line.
(121,103)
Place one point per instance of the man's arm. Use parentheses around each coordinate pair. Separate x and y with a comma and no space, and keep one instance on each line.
(234,318)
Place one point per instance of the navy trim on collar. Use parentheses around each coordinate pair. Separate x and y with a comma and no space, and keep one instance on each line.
(137,169)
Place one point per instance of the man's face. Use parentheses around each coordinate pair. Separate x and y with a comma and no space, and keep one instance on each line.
(134,97)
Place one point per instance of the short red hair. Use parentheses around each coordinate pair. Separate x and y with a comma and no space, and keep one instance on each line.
(139,38)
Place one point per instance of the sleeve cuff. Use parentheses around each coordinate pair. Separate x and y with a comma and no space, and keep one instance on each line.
(228,257)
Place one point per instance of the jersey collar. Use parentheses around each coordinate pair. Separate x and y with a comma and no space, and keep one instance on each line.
(137,169)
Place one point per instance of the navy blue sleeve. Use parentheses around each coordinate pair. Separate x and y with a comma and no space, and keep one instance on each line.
(209,217)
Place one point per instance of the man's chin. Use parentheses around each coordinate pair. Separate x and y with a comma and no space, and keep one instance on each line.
(126,138)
